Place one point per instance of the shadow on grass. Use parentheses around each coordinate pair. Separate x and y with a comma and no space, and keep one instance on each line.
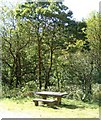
(63,106)
(70,106)
(46,106)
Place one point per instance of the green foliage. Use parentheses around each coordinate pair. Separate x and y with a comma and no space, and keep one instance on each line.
(94,38)
(45,49)
(96,93)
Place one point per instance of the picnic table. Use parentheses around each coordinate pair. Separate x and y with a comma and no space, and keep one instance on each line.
(46,94)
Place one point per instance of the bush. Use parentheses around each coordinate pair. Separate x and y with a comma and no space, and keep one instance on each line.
(96,93)
(25,91)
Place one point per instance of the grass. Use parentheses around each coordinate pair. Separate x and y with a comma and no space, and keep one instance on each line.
(68,109)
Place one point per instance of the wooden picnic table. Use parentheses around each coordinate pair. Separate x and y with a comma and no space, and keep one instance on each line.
(46,94)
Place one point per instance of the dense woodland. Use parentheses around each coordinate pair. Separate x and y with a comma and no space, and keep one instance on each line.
(45,48)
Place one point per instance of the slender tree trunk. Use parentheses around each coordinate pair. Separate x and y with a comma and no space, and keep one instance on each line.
(48,73)
(58,84)
(39,56)
(39,64)
(90,82)
(18,70)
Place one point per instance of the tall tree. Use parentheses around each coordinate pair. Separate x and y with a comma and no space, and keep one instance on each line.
(13,34)
(50,23)
(94,37)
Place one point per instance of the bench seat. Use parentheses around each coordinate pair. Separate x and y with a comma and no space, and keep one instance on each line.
(45,101)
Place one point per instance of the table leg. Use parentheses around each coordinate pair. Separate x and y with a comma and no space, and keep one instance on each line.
(36,103)
(59,100)
(44,97)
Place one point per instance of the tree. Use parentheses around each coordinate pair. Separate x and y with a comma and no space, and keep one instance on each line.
(94,37)
(39,46)
(13,34)
(50,23)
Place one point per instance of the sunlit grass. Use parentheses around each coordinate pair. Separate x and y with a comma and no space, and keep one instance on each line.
(68,109)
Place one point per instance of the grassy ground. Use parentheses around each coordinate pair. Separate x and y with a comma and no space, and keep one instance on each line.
(68,109)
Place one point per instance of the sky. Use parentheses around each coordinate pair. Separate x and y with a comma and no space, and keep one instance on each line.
(80,8)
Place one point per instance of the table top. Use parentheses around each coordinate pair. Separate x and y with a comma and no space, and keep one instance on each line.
(49,93)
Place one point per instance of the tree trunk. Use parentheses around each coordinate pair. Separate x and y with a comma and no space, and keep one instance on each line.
(39,56)
(18,70)
(39,63)
(48,73)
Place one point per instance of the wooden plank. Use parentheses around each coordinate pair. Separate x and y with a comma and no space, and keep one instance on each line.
(48,102)
(43,100)
(49,93)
